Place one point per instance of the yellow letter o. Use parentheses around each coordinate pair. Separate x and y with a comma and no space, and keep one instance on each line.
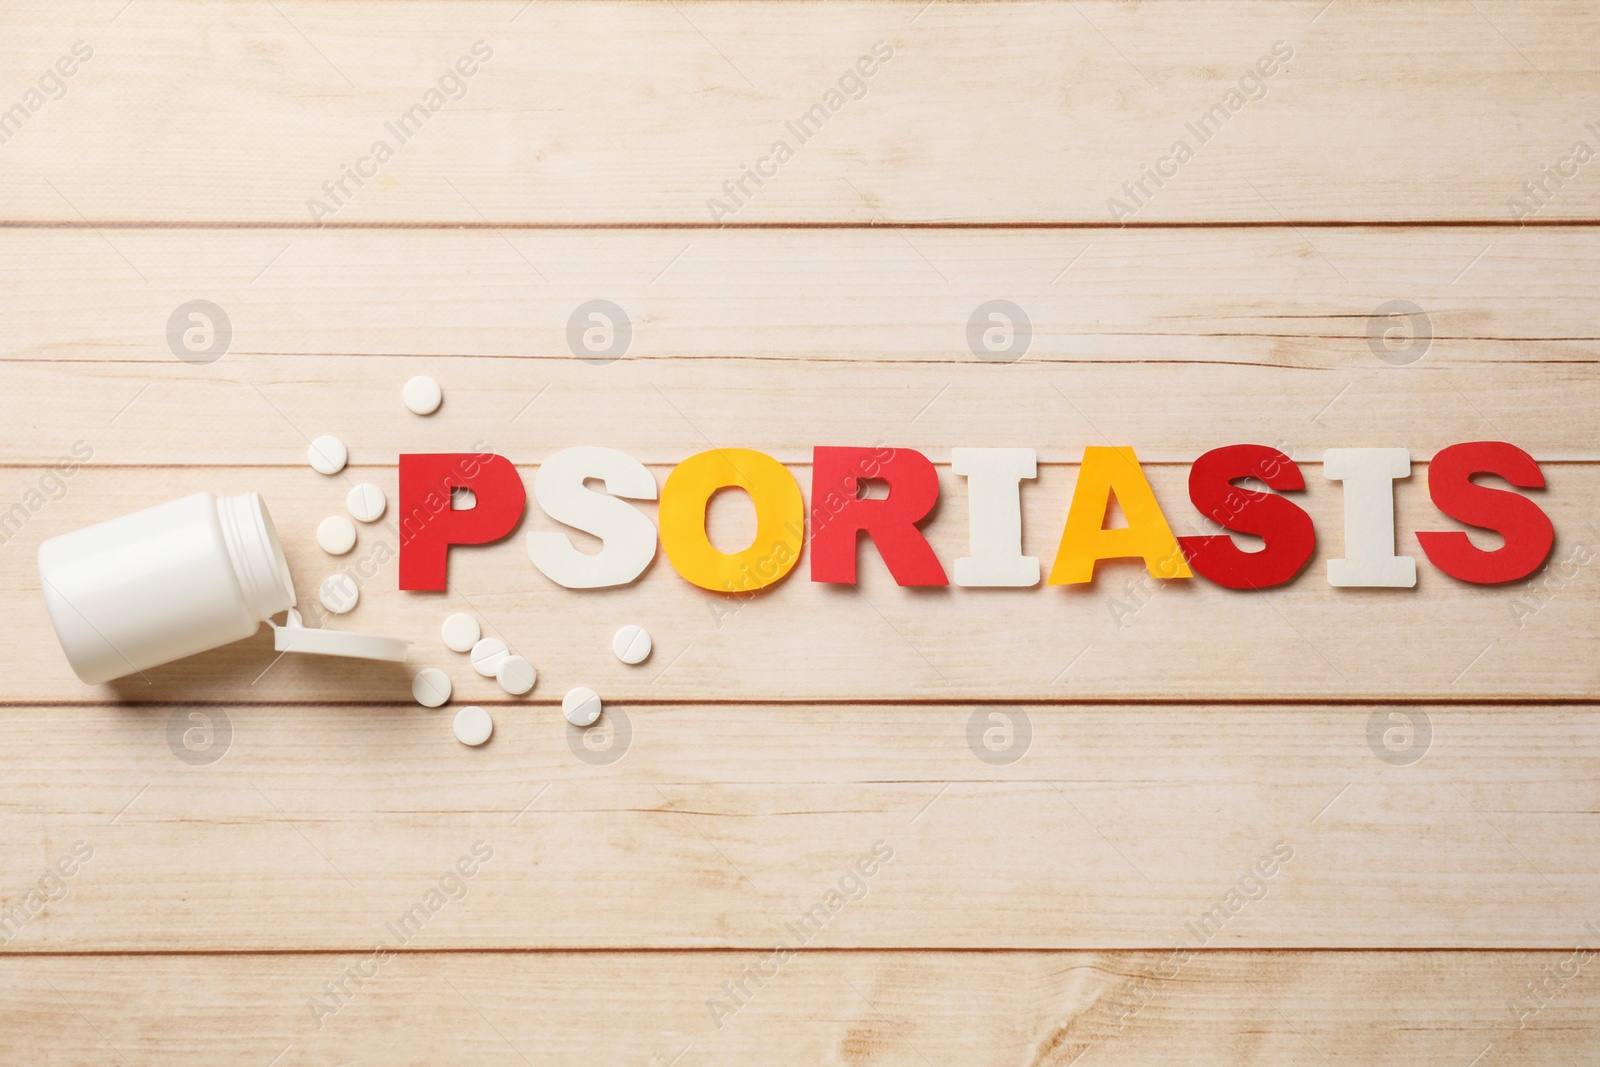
(780,520)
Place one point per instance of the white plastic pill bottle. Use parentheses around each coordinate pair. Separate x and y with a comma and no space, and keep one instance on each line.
(179,578)
(163,583)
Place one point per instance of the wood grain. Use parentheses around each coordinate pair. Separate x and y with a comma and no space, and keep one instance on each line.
(858,295)
(1041,1009)
(988,112)
(723,825)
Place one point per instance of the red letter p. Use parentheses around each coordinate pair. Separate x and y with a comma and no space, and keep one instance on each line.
(429,525)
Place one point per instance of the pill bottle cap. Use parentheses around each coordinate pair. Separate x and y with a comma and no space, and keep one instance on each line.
(294,636)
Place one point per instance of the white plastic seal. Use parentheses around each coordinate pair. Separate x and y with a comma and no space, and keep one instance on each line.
(182,577)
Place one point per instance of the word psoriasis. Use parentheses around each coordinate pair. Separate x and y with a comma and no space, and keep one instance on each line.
(840,514)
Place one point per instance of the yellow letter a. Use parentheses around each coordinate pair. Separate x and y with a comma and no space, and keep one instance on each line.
(1085,540)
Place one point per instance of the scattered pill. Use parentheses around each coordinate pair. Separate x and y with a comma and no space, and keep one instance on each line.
(473,725)
(488,655)
(516,675)
(327,455)
(422,395)
(460,632)
(336,535)
(339,593)
(367,502)
(581,706)
(431,687)
(631,644)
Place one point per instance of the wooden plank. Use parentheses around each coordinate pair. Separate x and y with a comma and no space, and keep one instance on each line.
(1123,636)
(1232,1009)
(633,112)
(1174,342)
(663,411)
(723,825)
(859,295)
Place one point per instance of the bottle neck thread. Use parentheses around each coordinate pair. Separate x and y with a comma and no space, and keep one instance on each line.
(257,554)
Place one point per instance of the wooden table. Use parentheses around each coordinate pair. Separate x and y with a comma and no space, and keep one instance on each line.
(1051,786)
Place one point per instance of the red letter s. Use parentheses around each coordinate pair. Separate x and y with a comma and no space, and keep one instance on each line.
(1527,530)
(1285,527)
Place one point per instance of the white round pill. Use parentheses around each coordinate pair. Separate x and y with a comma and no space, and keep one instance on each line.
(431,687)
(516,675)
(488,655)
(581,706)
(473,725)
(336,535)
(327,455)
(460,632)
(631,644)
(422,395)
(339,593)
(367,502)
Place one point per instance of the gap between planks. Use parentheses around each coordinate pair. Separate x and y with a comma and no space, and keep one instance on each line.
(896,702)
(696,950)
(857,361)
(919,224)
